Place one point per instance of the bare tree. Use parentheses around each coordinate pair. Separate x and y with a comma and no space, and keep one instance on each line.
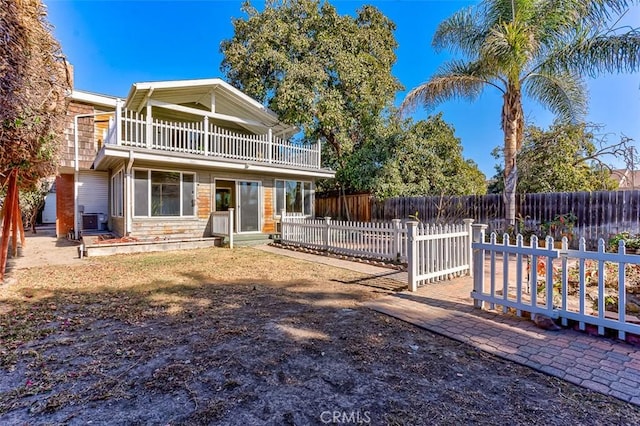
(34,82)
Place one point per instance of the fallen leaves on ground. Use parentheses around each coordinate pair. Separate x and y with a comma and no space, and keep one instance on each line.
(245,337)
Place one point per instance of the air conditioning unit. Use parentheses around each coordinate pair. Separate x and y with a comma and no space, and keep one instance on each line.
(90,221)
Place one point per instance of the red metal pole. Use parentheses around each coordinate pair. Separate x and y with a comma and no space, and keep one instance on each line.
(14,224)
(7,220)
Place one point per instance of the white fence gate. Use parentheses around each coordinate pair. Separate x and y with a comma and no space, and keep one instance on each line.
(222,225)
(438,252)
(590,287)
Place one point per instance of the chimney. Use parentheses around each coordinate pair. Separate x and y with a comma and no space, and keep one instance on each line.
(69,73)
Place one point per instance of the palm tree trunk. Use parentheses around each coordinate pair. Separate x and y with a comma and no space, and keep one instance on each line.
(512,125)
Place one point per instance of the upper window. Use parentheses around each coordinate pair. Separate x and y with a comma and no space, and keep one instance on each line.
(294,197)
(158,193)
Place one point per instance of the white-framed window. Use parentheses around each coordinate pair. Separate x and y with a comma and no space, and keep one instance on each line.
(117,194)
(294,196)
(160,193)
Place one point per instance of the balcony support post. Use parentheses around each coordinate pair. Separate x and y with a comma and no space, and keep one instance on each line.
(149,127)
(205,135)
(270,145)
(118,121)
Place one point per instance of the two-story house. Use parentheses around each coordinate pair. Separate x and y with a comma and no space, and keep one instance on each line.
(158,163)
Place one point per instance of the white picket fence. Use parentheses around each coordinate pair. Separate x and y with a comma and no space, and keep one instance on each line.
(222,225)
(438,252)
(379,240)
(432,252)
(559,283)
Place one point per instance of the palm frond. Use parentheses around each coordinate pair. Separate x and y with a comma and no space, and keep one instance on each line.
(511,46)
(462,32)
(574,12)
(597,11)
(563,93)
(455,80)
(552,19)
(498,11)
(603,53)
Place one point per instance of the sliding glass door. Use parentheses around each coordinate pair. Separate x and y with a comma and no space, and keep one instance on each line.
(248,206)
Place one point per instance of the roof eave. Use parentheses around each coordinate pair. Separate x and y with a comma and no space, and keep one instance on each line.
(93,98)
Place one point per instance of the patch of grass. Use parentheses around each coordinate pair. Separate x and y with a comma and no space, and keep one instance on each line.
(244,337)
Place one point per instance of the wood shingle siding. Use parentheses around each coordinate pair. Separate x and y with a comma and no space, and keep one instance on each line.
(268,224)
(203,197)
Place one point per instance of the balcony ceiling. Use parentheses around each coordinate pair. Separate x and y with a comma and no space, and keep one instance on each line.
(199,93)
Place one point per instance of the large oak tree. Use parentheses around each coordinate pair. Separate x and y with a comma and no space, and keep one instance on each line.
(329,74)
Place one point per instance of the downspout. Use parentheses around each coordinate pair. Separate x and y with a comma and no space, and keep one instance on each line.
(128,216)
(76,169)
(76,176)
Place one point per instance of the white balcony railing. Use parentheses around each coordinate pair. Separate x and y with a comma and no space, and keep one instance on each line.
(202,138)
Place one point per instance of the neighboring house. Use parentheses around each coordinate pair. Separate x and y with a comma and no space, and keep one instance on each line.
(627,179)
(159,163)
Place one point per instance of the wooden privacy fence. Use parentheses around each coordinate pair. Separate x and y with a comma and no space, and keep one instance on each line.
(590,287)
(356,207)
(598,214)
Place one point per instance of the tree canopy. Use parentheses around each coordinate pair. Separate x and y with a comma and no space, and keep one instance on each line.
(564,158)
(409,158)
(33,86)
(328,74)
(538,48)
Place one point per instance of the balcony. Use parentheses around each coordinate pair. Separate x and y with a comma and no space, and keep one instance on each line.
(201,138)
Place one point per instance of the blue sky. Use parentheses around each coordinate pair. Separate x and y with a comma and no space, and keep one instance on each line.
(113,44)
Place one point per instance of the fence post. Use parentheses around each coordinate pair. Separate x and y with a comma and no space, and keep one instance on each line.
(412,255)
(397,239)
(469,248)
(325,233)
(478,263)
(230,230)
(283,214)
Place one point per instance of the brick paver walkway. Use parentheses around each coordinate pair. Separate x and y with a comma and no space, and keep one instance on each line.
(601,364)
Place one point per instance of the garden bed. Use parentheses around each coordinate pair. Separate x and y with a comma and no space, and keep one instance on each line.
(100,246)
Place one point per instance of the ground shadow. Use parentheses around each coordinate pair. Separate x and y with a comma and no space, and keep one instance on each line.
(192,349)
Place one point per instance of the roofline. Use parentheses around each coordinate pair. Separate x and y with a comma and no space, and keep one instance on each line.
(176,84)
(93,98)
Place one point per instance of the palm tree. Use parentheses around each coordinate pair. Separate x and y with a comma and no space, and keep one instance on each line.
(540,48)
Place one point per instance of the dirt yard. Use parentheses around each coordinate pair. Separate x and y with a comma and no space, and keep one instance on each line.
(242,337)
